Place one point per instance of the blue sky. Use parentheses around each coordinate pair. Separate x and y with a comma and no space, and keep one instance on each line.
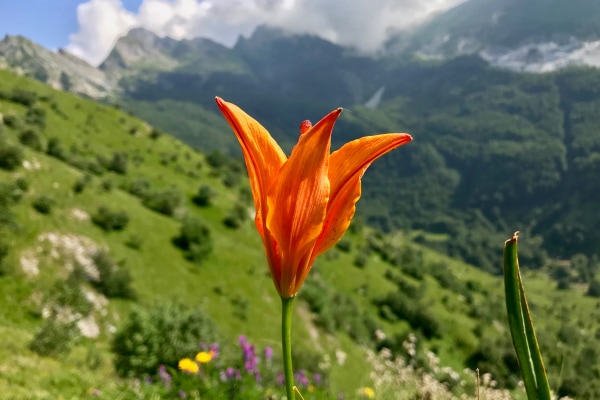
(46,22)
(90,28)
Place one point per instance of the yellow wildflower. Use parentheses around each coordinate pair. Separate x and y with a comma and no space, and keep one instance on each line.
(203,357)
(188,365)
(366,393)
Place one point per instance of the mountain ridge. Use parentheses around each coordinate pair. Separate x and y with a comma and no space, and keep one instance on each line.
(60,70)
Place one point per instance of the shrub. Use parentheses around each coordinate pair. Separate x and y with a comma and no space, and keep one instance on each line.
(55,149)
(231,178)
(194,239)
(110,220)
(68,294)
(356,226)
(155,133)
(594,288)
(204,196)
(348,318)
(118,164)
(114,280)
(216,159)
(106,185)
(162,336)
(245,195)
(36,116)
(22,184)
(81,183)
(11,120)
(140,187)
(344,245)
(24,97)
(496,356)
(443,274)
(10,194)
(362,258)
(164,201)
(43,204)
(54,338)
(236,216)
(405,307)
(88,165)
(31,138)
(11,157)
(563,284)
(134,242)
(7,218)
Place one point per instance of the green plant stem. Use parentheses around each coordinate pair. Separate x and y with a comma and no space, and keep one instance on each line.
(286,344)
(521,327)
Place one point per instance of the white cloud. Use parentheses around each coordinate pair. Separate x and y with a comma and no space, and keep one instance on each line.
(101,22)
(358,23)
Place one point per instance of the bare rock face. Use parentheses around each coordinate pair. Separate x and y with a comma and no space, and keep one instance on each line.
(61,70)
(139,47)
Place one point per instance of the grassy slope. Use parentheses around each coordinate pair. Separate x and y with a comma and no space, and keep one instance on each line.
(159,269)
(236,268)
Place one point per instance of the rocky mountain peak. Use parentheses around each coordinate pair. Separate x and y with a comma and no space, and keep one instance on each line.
(139,46)
(60,70)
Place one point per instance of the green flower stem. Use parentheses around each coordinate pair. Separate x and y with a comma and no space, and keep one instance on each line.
(286,344)
(521,327)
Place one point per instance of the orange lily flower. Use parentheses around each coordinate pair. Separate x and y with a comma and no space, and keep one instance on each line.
(304,203)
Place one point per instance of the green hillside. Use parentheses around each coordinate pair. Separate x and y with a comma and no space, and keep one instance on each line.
(102,214)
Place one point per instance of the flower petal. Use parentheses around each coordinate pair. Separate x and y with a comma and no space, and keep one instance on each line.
(300,196)
(346,167)
(261,152)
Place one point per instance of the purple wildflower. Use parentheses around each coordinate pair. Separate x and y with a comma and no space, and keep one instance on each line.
(230,373)
(317,379)
(301,378)
(268,353)
(250,359)
(182,394)
(164,376)
(280,379)
(214,349)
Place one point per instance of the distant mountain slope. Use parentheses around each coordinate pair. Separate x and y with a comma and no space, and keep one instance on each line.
(60,70)
(536,35)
